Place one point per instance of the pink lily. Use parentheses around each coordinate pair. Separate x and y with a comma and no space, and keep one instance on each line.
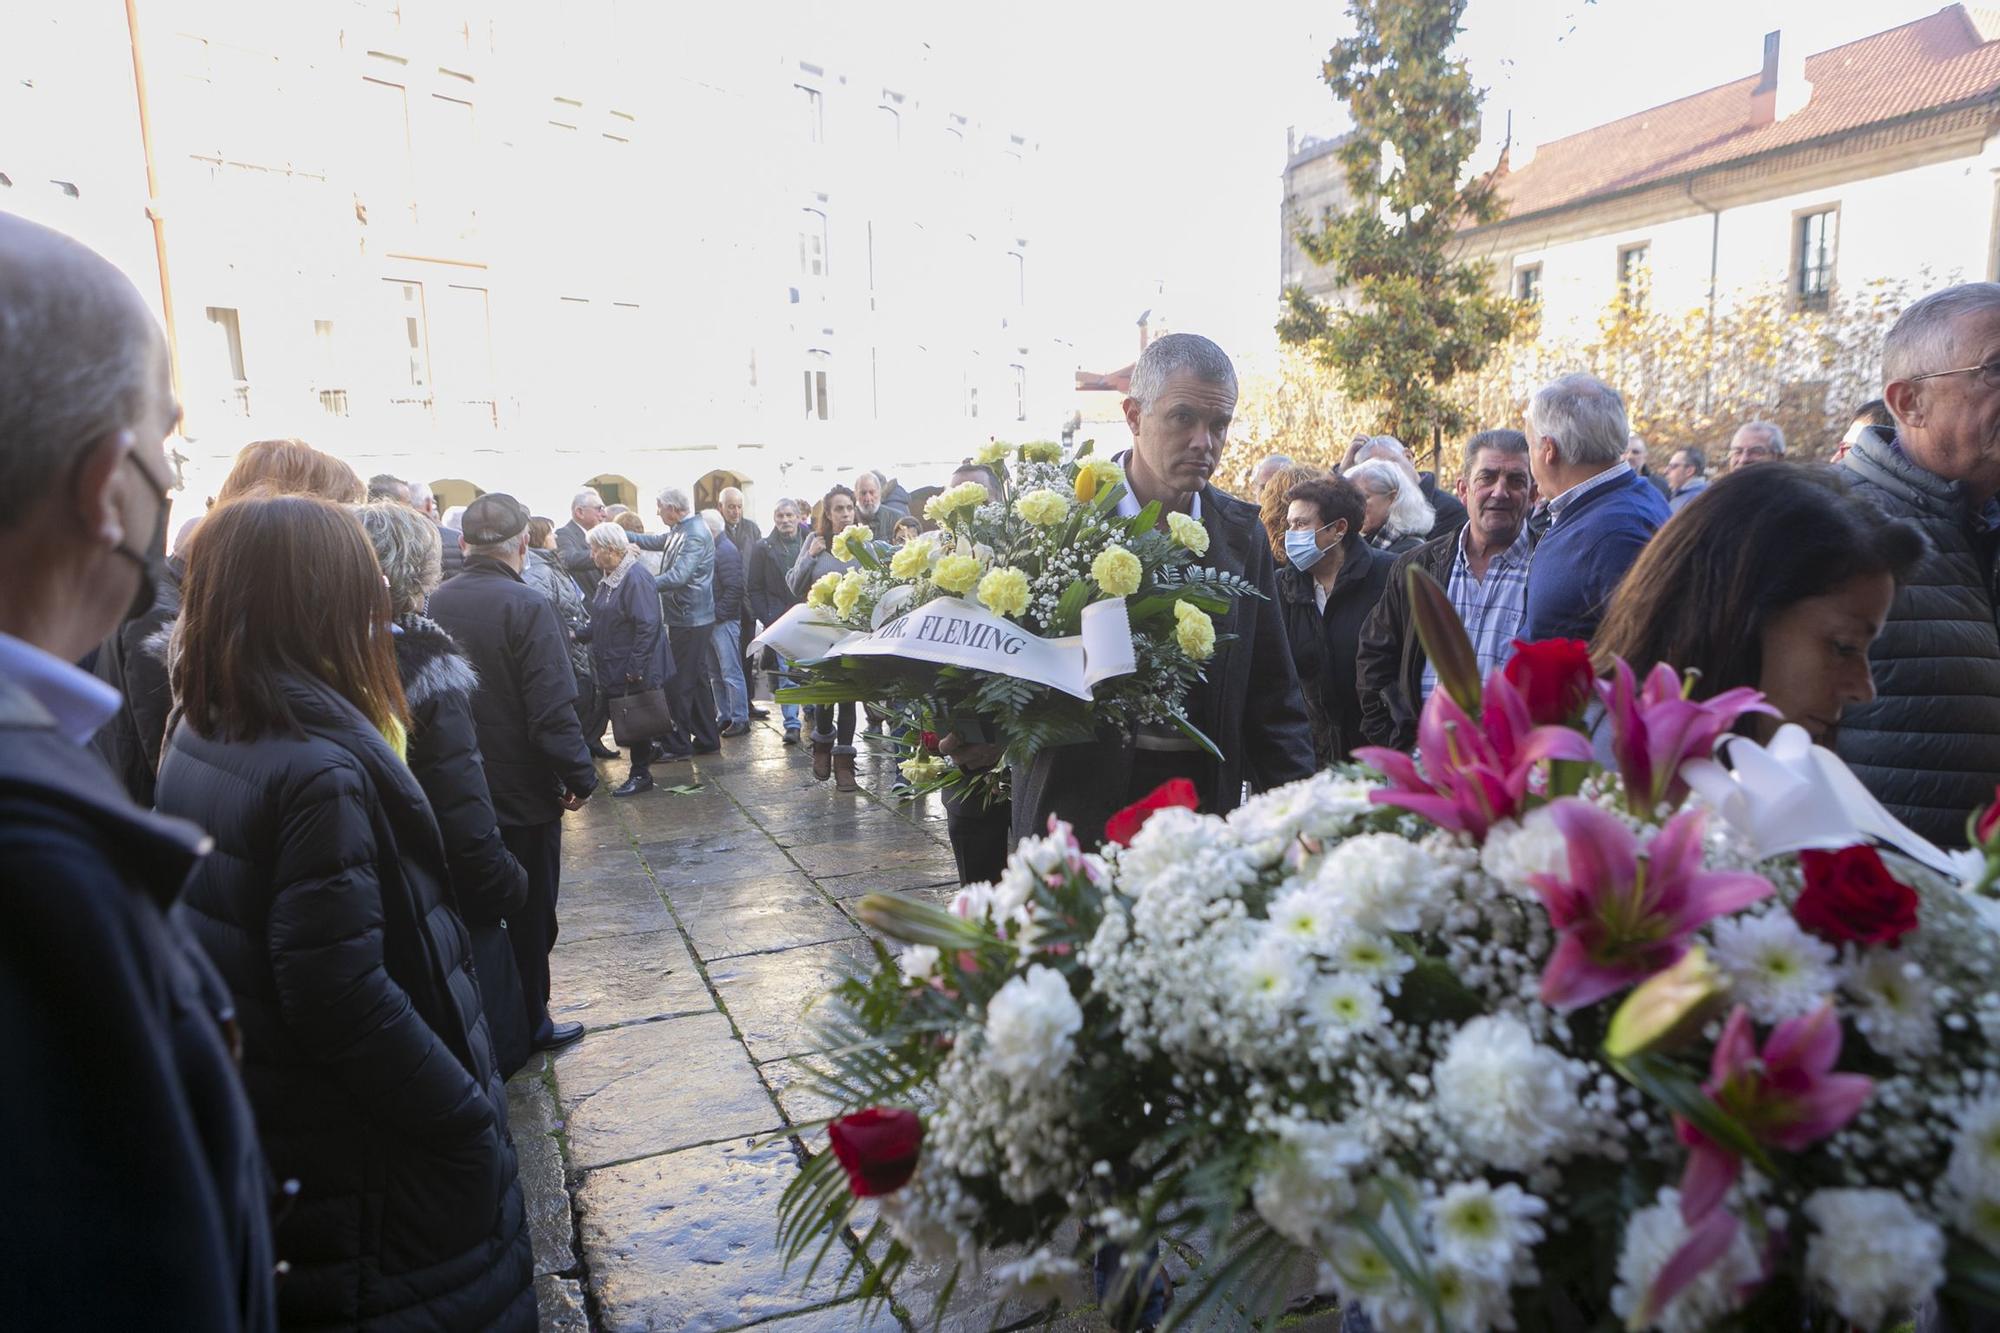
(1624,915)
(1474,774)
(1657,729)
(1787,1097)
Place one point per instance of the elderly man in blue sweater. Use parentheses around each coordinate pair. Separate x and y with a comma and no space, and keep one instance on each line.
(1602,513)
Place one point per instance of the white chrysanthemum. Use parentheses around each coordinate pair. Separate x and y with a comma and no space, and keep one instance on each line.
(1347,1005)
(1533,846)
(1305,1181)
(1041,1275)
(1031,1025)
(1511,1101)
(1486,1230)
(1975,1158)
(1373,957)
(1652,1236)
(1361,1272)
(1774,967)
(1304,915)
(1872,1254)
(1472,1301)
(918,963)
(1269,975)
(1893,1003)
(1380,882)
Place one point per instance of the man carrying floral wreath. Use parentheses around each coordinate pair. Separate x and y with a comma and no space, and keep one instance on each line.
(1182,398)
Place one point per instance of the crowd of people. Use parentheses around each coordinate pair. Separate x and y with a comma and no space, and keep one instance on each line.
(281,811)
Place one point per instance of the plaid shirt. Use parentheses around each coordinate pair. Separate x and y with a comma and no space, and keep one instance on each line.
(1492,610)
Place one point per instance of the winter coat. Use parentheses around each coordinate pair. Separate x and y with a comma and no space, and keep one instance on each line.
(326,907)
(133,1192)
(1585,553)
(524,709)
(729,581)
(451,555)
(1685,493)
(744,534)
(808,570)
(1389,660)
(1450,510)
(1400,544)
(1929,746)
(687,584)
(1323,644)
(629,642)
(770,590)
(573,554)
(133,661)
(546,575)
(487,883)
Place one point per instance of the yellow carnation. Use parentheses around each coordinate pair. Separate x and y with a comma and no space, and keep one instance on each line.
(966,495)
(924,768)
(1042,451)
(847,595)
(845,540)
(821,595)
(1194,631)
(1093,475)
(1117,571)
(1042,508)
(1188,532)
(1004,591)
(912,559)
(990,453)
(956,574)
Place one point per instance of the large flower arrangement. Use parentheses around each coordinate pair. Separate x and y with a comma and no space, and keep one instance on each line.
(1049,546)
(1497,1038)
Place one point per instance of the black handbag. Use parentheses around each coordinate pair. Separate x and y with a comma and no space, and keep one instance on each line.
(640,716)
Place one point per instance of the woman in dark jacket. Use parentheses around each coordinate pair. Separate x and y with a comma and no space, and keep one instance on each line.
(833,724)
(326,907)
(771,594)
(1330,583)
(488,884)
(628,644)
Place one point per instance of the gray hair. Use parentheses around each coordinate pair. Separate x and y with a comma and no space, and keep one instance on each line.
(1409,512)
(728,491)
(607,536)
(1584,416)
(80,360)
(673,497)
(1925,338)
(408,548)
(713,517)
(1500,440)
(1168,356)
(587,498)
(1773,437)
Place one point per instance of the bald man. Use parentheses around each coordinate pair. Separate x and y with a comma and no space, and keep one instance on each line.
(134,1193)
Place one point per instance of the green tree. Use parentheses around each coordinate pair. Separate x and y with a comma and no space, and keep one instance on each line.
(1412,314)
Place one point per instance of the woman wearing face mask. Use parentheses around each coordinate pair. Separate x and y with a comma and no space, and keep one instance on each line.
(1329,583)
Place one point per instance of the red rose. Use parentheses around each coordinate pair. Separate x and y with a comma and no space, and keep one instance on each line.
(1987,822)
(1851,898)
(928,742)
(1554,677)
(877,1148)
(1124,826)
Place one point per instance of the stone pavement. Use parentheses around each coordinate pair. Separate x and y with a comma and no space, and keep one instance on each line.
(696,927)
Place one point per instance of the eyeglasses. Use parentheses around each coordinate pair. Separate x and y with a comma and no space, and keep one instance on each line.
(1989,374)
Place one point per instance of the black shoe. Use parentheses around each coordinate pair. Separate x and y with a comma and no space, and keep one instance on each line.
(633,786)
(791,735)
(759,714)
(666,756)
(559,1036)
(735,729)
(708,749)
(601,752)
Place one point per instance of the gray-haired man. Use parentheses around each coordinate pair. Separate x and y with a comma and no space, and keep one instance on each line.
(687,604)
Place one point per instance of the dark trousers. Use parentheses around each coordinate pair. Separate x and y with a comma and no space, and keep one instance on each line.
(593,710)
(532,930)
(688,693)
(980,835)
(834,722)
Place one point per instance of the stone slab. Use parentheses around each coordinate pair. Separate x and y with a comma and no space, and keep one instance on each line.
(559,1305)
(534,1120)
(622,978)
(687,1242)
(655,1087)
(768,994)
(757,916)
(747,855)
(847,1317)
(930,872)
(600,907)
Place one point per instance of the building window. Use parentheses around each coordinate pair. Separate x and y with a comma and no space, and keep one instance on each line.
(465,351)
(815,384)
(391,183)
(332,400)
(412,386)
(1020,374)
(229,337)
(1635,270)
(815,112)
(1017,277)
(812,243)
(1814,236)
(971,397)
(1528,284)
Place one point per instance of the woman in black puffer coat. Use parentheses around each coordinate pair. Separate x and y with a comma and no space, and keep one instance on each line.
(326,907)
(488,884)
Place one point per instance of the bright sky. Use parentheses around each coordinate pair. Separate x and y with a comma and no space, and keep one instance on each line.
(1163,125)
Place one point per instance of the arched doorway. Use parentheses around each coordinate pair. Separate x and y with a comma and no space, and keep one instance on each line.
(615,490)
(452,491)
(708,490)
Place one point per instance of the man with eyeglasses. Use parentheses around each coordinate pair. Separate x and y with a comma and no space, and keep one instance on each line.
(1929,746)
(1756,442)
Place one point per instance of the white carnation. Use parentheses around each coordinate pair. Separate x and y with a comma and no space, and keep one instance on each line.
(918,963)
(1318,807)
(1030,1027)
(1774,967)
(1532,846)
(1485,1230)
(1381,882)
(1652,1236)
(1512,1102)
(1893,1004)
(1871,1253)
(974,902)
(1973,1177)
(1306,1181)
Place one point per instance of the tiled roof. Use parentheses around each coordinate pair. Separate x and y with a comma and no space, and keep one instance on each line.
(1941,61)
(1117,381)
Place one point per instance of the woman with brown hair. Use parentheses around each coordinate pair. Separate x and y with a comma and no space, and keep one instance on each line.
(326,906)
(1274,502)
(833,724)
(291,467)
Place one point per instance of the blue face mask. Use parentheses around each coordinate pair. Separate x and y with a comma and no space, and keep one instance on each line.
(1302,549)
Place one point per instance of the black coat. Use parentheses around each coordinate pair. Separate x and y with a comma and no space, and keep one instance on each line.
(770,591)
(1389,662)
(487,883)
(1929,746)
(1323,644)
(326,907)
(1449,509)
(573,554)
(133,1192)
(628,639)
(729,581)
(133,661)
(525,706)
(451,554)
